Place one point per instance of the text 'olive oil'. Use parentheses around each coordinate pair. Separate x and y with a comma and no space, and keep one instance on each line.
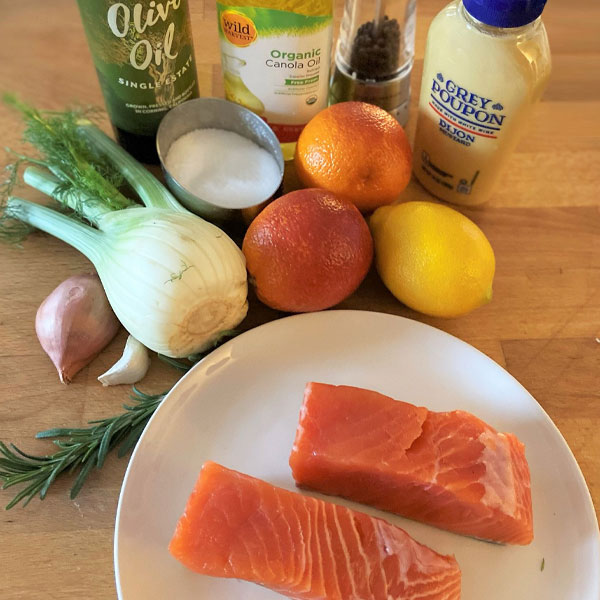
(144,58)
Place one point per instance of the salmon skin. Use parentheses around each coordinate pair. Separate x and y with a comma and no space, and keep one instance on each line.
(240,527)
(447,469)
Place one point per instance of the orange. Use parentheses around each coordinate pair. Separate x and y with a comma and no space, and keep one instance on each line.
(355,150)
(307,251)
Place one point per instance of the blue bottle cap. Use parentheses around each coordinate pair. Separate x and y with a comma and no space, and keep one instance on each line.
(505,13)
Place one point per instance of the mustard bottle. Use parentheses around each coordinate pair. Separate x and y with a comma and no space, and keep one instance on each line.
(486,65)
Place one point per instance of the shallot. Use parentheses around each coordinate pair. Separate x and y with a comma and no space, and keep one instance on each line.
(74,323)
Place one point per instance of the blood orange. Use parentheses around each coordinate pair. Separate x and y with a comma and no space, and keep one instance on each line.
(307,251)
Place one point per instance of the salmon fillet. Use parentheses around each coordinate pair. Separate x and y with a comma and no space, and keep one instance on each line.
(237,526)
(447,469)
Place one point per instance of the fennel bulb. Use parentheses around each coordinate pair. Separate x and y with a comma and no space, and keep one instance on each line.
(174,281)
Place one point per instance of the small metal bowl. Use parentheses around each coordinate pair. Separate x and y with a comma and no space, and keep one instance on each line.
(213,113)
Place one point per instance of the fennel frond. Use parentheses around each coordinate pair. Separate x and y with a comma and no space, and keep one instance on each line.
(81,172)
(12,229)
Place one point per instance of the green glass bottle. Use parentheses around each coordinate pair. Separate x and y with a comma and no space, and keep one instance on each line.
(144,58)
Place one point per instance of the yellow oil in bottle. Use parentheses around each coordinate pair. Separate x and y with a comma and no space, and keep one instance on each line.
(235,89)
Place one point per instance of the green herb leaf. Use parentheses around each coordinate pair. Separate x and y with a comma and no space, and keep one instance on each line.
(177,276)
(84,448)
(12,229)
(79,176)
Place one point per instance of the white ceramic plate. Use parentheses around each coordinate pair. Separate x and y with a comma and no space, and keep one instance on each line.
(239,407)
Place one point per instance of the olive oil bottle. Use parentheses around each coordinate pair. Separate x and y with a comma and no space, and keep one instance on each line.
(144,58)
(276,56)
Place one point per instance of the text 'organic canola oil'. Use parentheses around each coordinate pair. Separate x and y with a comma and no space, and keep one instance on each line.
(275,56)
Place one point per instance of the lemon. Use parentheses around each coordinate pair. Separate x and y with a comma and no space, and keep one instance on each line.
(432,258)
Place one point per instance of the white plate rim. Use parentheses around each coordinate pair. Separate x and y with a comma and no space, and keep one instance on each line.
(589,507)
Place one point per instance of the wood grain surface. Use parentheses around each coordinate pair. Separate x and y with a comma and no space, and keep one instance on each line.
(543,324)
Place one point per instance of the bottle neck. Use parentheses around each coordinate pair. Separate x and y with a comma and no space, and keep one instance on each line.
(496,31)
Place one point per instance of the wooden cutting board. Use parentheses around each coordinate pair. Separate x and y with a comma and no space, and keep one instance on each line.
(543,324)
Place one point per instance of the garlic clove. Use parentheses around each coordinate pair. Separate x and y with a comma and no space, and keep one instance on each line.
(75,323)
(131,367)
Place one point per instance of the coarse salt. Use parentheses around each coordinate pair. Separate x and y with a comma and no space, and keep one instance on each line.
(223,168)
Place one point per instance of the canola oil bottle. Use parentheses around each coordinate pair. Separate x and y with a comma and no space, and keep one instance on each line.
(276,56)
(486,65)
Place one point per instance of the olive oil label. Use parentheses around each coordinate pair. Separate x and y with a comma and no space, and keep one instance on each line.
(144,57)
(276,63)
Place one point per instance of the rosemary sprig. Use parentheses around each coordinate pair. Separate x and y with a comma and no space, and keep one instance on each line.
(80,449)
(83,449)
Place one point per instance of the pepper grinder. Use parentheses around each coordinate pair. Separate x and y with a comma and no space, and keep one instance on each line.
(374,55)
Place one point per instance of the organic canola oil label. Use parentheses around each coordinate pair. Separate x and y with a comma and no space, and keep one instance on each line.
(276,63)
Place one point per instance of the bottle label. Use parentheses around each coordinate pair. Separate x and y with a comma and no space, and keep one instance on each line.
(276,63)
(451,114)
(144,57)
(464,116)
